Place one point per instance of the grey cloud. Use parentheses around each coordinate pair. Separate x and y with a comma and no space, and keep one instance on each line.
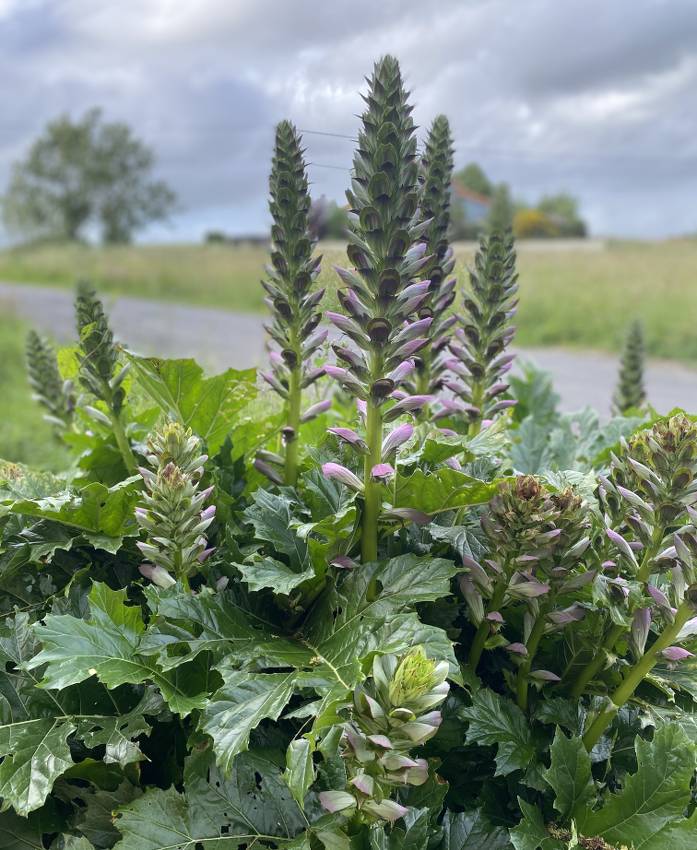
(595,97)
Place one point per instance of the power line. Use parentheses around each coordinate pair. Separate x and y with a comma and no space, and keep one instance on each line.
(324,133)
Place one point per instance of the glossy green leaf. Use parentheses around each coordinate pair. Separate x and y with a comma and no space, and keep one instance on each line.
(273,574)
(35,753)
(531,833)
(237,708)
(570,776)
(107,646)
(442,490)
(300,770)
(653,798)
(209,406)
(496,721)
(472,830)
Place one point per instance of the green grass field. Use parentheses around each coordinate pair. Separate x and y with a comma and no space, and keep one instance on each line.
(577,298)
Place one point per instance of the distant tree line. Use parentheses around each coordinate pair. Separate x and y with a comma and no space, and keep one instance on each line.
(553,216)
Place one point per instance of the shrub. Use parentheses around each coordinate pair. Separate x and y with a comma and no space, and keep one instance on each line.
(534,224)
(475,633)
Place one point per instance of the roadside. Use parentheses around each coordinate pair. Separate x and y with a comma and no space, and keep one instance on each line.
(219,339)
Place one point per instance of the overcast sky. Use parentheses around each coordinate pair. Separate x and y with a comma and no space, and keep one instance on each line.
(598,97)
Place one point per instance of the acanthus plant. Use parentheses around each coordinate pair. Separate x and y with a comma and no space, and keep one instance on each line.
(193,660)
(630,393)
(50,390)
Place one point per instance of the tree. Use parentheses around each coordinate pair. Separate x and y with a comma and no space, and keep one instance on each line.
(472,177)
(563,209)
(84,172)
(500,216)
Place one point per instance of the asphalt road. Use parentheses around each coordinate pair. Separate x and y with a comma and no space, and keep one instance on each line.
(218,339)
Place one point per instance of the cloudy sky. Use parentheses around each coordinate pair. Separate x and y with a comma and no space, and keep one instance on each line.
(598,97)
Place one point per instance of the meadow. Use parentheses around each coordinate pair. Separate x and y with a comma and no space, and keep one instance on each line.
(572,297)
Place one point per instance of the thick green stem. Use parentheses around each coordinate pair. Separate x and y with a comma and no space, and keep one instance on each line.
(477,401)
(596,664)
(531,645)
(371,510)
(293,422)
(123,443)
(637,674)
(484,628)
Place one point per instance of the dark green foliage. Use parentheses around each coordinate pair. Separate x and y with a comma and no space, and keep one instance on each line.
(44,378)
(480,358)
(500,216)
(630,393)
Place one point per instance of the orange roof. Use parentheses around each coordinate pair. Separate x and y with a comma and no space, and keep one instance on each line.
(463,192)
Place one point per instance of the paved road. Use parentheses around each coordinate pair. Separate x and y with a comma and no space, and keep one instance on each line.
(218,338)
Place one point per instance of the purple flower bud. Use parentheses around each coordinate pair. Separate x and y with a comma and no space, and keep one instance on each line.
(516,648)
(544,676)
(381,741)
(204,494)
(641,623)
(364,783)
(340,473)
(397,437)
(362,408)
(413,330)
(399,373)
(157,575)
(572,614)
(336,801)
(266,469)
(206,554)
(346,378)
(350,437)
(408,515)
(315,410)
(342,562)
(343,323)
(409,403)
(495,617)
(473,598)
(527,588)
(658,597)
(411,347)
(208,513)
(222,584)
(275,384)
(381,472)
(676,653)
(416,252)
(502,405)
(415,290)
(621,544)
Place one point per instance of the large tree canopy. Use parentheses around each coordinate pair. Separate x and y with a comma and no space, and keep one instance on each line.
(81,173)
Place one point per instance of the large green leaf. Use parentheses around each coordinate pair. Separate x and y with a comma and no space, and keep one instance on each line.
(237,708)
(653,798)
(531,833)
(271,514)
(496,721)
(472,831)
(22,482)
(209,406)
(107,645)
(268,572)
(18,833)
(442,490)
(35,753)
(300,769)
(569,775)
(103,514)
(251,807)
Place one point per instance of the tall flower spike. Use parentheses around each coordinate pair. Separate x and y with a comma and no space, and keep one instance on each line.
(291,295)
(100,371)
(378,300)
(630,391)
(50,390)
(393,713)
(479,354)
(436,176)
(172,512)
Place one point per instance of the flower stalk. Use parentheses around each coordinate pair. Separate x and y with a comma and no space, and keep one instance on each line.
(172,512)
(291,297)
(53,393)
(379,301)
(393,713)
(100,371)
(630,393)
(479,358)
